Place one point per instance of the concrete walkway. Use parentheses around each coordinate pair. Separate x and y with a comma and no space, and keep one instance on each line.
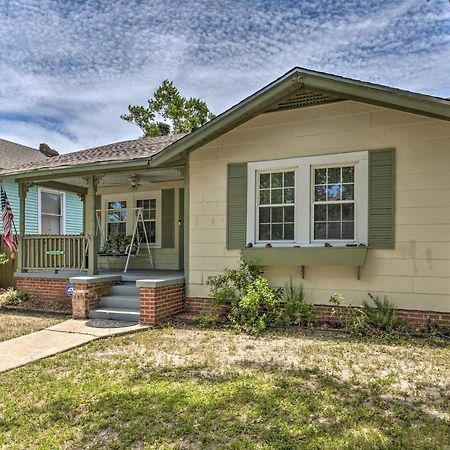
(56,339)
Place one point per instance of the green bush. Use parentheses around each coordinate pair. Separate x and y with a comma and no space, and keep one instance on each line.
(294,309)
(382,314)
(257,309)
(228,287)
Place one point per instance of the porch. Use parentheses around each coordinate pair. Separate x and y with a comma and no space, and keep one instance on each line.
(128,263)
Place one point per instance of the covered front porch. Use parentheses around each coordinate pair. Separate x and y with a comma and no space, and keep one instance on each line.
(128,264)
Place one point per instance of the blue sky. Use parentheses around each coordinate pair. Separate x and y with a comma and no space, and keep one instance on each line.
(68,69)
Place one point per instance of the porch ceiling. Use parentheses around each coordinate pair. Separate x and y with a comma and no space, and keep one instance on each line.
(145,177)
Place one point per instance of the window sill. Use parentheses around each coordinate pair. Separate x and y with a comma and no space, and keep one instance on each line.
(307,256)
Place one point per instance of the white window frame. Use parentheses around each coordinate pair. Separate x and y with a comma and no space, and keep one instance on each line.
(62,206)
(304,218)
(131,199)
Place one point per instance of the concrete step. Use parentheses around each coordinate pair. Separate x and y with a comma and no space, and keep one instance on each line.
(127,289)
(120,302)
(114,314)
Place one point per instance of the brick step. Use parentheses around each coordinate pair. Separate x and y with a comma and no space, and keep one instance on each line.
(114,314)
(120,302)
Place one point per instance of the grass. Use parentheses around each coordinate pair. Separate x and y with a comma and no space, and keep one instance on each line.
(196,389)
(18,323)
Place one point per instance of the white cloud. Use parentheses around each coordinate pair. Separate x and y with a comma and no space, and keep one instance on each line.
(69,69)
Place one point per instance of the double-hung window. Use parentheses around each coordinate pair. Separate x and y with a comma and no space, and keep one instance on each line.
(148,209)
(308,201)
(51,204)
(276,206)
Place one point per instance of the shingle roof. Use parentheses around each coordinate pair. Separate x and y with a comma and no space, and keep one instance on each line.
(119,151)
(13,154)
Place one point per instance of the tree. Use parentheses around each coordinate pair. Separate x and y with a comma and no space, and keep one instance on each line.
(168,112)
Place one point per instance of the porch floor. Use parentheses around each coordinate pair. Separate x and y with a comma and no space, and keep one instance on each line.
(130,276)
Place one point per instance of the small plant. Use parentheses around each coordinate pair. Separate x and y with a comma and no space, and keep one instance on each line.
(258,309)
(11,296)
(295,310)
(354,318)
(208,320)
(382,314)
(3,258)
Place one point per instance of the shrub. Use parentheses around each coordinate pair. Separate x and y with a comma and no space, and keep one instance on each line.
(295,310)
(257,309)
(382,314)
(12,297)
(228,287)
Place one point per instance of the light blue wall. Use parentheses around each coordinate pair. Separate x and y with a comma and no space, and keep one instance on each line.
(74,209)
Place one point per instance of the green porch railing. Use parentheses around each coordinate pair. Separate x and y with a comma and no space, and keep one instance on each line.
(53,251)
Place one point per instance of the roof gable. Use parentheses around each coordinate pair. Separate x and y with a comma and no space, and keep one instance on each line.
(13,154)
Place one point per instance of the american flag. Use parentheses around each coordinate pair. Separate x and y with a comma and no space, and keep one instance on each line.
(9,239)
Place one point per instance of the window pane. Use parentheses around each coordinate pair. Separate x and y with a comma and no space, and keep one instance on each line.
(276,196)
(277,214)
(264,232)
(277,232)
(289,196)
(289,179)
(264,215)
(50,203)
(348,230)
(348,174)
(347,192)
(320,230)
(334,212)
(289,214)
(320,213)
(264,180)
(50,224)
(276,179)
(334,175)
(117,228)
(320,194)
(334,230)
(320,176)
(264,197)
(289,231)
(348,211)
(334,192)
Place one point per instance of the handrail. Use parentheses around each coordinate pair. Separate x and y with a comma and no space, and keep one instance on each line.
(47,251)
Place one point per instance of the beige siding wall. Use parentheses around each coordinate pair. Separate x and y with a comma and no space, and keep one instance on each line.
(164,258)
(416,274)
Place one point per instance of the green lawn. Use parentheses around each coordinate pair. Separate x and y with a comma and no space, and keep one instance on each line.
(197,389)
(17,323)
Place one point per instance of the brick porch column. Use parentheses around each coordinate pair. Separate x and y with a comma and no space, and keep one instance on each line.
(87,292)
(160,299)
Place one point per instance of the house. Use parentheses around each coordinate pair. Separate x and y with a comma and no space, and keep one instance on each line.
(336,183)
(49,209)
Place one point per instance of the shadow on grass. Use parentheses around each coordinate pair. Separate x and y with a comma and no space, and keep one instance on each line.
(200,407)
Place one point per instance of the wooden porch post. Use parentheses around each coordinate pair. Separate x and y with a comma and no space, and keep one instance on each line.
(91,230)
(23,189)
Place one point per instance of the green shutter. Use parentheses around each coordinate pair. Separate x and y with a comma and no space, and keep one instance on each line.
(236,206)
(381,198)
(168,218)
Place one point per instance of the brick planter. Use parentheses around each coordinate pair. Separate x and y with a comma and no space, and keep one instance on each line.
(87,292)
(160,299)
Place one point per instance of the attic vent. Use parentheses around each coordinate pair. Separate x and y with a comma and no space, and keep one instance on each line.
(303,99)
